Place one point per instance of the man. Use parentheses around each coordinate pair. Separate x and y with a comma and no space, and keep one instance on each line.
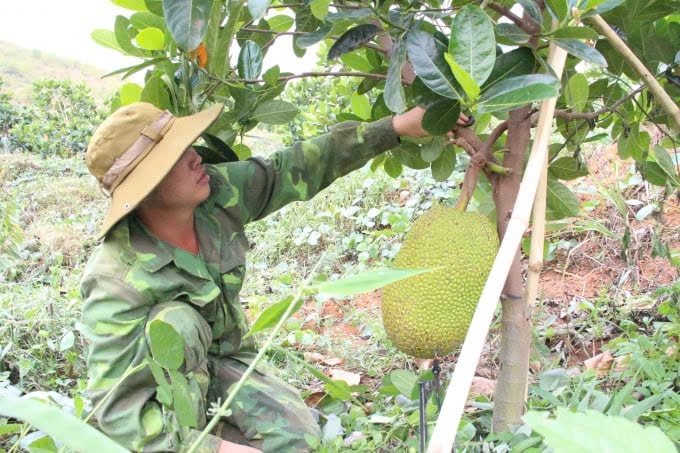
(173,249)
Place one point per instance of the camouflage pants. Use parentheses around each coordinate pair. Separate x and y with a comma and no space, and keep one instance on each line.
(266,413)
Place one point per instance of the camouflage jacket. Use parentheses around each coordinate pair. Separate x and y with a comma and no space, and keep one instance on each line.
(131,271)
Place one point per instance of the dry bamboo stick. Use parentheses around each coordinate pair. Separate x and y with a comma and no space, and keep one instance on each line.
(445,430)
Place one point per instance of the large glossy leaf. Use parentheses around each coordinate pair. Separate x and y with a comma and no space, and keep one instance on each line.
(367,281)
(187,21)
(575,33)
(275,112)
(444,165)
(432,150)
(123,30)
(392,166)
(313,37)
(603,7)
(517,62)
(63,427)
(394,90)
(134,5)
(567,168)
(167,345)
(156,93)
(516,91)
(440,117)
(512,33)
(151,38)
(473,43)
(576,92)
(352,39)
(280,23)
(427,57)
(146,19)
(106,38)
(319,8)
(361,106)
(250,61)
(356,62)
(558,8)
(257,8)
(665,161)
(582,50)
(130,93)
(409,154)
(594,432)
(532,9)
(561,201)
(184,407)
(464,78)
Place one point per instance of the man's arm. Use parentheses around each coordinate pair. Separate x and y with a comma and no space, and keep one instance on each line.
(262,186)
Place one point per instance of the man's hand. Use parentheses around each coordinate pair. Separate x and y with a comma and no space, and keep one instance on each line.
(230,447)
(409,124)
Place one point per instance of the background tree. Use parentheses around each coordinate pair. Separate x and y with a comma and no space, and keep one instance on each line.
(486,59)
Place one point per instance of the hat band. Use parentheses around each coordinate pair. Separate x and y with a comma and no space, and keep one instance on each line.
(127,161)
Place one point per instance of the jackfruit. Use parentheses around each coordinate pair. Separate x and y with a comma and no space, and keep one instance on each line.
(430,313)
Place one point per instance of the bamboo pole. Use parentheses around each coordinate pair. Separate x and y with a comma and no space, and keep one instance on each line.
(640,69)
(445,430)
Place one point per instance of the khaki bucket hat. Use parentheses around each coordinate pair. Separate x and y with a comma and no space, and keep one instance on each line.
(135,148)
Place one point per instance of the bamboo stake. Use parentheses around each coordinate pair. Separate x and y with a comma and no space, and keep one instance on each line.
(445,430)
(662,97)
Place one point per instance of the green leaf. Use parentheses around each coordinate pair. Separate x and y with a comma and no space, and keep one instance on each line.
(163,389)
(356,62)
(155,92)
(575,33)
(603,7)
(464,78)
(517,62)
(272,315)
(367,281)
(392,166)
(561,201)
(404,381)
(67,341)
(394,90)
(61,426)
(275,112)
(352,39)
(409,154)
(427,57)
(258,8)
(567,168)
(271,75)
(558,8)
(361,106)
(665,161)
(512,33)
(576,92)
(242,151)
(313,37)
(129,93)
(634,144)
(134,5)
(532,9)
(146,19)
(516,91)
(444,165)
(280,23)
(151,38)
(319,8)
(594,432)
(473,43)
(441,116)
(187,21)
(167,345)
(184,407)
(250,61)
(582,50)
(431,151)
(106,38)
(124,35)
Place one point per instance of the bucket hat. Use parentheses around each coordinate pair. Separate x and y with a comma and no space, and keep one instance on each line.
(135,148)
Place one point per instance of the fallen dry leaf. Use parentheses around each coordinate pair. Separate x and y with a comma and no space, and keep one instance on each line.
(341,375)
(315,357)
(482,386)
(601,363)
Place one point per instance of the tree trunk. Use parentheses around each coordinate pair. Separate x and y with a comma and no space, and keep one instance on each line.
(510,393)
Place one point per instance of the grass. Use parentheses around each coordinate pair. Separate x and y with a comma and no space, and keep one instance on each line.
(356,224)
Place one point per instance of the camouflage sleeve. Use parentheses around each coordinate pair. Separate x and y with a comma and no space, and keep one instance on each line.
(261,186)
(113,322)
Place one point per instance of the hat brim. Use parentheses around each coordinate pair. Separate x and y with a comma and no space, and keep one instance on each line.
(157,164)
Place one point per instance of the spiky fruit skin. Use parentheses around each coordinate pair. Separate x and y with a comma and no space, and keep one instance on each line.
(430,313)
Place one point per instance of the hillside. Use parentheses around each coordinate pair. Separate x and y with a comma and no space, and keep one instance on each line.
(20,67)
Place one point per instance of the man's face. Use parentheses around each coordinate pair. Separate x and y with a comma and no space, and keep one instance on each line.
(187,184)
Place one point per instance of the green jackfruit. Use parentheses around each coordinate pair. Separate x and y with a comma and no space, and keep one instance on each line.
(430,313)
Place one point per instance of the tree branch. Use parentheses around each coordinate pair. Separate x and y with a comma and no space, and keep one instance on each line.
(525,23)
(366,75)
